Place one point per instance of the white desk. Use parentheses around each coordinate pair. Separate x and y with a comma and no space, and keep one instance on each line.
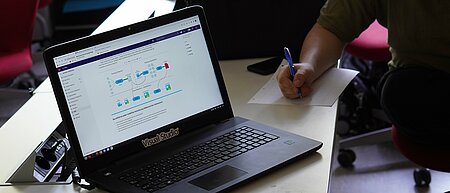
(307,175)
(40,116)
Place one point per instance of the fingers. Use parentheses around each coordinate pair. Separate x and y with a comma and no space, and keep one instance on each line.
(304,72)
(306,90)
(289,88)
(283,74)
(285,84)
(299,79)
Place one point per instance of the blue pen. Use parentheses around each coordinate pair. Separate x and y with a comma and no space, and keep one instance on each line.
(288,57)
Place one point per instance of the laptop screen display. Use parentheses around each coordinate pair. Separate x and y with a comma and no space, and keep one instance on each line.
(127,87)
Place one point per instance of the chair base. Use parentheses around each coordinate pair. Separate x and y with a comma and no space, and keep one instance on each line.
(374,137)
(422,177)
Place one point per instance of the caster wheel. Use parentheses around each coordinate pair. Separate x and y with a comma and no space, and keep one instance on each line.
(422,177)
(346,158)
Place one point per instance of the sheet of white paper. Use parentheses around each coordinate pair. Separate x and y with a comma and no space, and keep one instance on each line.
(326,89)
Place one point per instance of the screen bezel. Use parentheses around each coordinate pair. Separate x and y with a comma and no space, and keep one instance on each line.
(130,147)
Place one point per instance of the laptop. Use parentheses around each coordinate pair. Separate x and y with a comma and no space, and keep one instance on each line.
(146,110)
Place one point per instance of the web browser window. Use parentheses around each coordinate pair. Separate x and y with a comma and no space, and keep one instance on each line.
(127,87)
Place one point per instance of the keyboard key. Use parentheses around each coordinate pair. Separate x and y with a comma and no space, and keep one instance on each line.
(258,132)
(234,154)
(270,136)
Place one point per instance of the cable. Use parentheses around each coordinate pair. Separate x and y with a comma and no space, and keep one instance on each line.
(68,164)
(69,167)
(64,163)
(77,180)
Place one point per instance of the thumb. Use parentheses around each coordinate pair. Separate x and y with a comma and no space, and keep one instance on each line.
(300,78)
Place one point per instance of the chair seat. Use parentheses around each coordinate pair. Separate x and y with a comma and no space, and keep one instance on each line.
(13,64)
(371,44)
(433,157)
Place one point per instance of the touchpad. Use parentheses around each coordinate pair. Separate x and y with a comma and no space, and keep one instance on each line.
(217,177)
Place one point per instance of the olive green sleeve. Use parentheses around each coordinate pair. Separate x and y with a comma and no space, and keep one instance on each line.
(347,18)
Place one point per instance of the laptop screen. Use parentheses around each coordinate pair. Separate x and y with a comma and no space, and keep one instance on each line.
(133,85)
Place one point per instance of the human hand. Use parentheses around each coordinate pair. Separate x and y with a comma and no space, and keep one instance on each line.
(290,88)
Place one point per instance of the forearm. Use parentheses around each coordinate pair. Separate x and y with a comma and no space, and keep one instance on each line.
(321,49)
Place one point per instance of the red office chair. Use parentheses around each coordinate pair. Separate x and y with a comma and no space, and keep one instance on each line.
(372,45)
(369,54)
(432,157)
(17,18)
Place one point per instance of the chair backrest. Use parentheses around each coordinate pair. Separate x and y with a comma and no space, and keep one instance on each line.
(17,22)
(371,44)
(16,30)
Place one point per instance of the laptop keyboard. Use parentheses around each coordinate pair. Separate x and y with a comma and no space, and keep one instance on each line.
(167,171)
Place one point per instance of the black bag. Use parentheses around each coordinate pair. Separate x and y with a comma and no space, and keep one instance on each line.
(259,28)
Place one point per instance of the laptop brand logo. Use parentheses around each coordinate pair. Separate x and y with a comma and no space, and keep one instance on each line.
(160,137)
